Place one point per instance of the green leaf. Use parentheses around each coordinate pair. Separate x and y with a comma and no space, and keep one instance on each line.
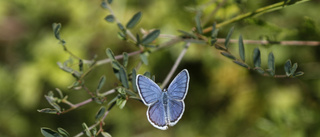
(219,47)
(287,67)
(228,38)
(125,59)
(228,55)
(259,70)
(197,41)
(187,34)
(64,68)
(120,26)
(48,110)
(134,77)
(101,83)
(147,74)
(293,69)
(151,37)
(241,64)
(80,65)
(241,49)
(47,132)
(256,57)
(271,64)
(52,102)
(59,92)
(109,18)
(63,132)
(122,36)
(121,103)
(109,1)
(124,78)
(299,73)
(100,113)
(198,22)
(86,129)
(134,20)
(138,39)
(104,5)
(144,58)
(116,68)
(130,93)
(110,54)
(105,134)
(56,30)
(214,34)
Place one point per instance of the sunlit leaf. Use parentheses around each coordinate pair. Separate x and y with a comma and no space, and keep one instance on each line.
(110,54)
(63,132)
(293,69)
(105,134)
(125,59)
(198,22)
(151,37)
(256,57)
(228,55)
(299,73)
(241,49)
(124,77)
(86,129)
(100,113)
(52,102)
(59,92)
(287,67)
(47,132)
(134,20)
(48,110)
(241,64)
(228,37)
(134,76)
(121,103)
(64,68)
(109,18)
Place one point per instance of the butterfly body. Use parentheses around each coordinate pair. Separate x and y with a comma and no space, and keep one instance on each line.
(165,107)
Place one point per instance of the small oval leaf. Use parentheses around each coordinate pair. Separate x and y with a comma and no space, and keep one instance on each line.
(144,58)
(226,43)
(56,30)
(109,18)
(63,132)
(134,76)
(271,64)
(241,64)
(241,49)
(299,73)
(105,134)
(101,83)
(100,113)
(110,54)
(86,129)
(134,20)
(287,67)
(123,77)
(151,37)
(47,132)
(198,22)
(48,110)
(256,57)
(293,69)
(228,55)
(125,59)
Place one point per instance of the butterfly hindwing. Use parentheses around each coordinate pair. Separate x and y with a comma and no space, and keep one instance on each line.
(175,110)
(156,115)
(149,91)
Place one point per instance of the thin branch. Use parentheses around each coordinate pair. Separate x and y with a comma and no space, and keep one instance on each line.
(264,42)
(259,11)
(175,66)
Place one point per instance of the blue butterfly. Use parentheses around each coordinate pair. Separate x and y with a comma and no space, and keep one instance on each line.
(164,107)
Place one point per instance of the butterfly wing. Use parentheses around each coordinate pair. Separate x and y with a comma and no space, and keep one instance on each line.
(156,115)
(178,88)
(149,91)
(175,110)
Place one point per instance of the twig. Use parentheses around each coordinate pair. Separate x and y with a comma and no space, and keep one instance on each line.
(286,43)
(174,67)
(260,11)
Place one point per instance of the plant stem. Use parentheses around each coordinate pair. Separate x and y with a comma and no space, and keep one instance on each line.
(259,11)
(175,66)
(286,43)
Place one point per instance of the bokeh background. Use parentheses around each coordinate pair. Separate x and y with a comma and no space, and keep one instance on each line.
(224,99)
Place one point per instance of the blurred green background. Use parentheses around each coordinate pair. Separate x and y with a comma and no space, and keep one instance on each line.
(224,99)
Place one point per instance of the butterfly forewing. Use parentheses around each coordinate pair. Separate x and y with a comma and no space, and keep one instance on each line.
(178,88)
(149,91)
(156,115)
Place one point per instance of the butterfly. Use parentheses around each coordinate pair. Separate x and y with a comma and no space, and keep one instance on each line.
(165,107)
